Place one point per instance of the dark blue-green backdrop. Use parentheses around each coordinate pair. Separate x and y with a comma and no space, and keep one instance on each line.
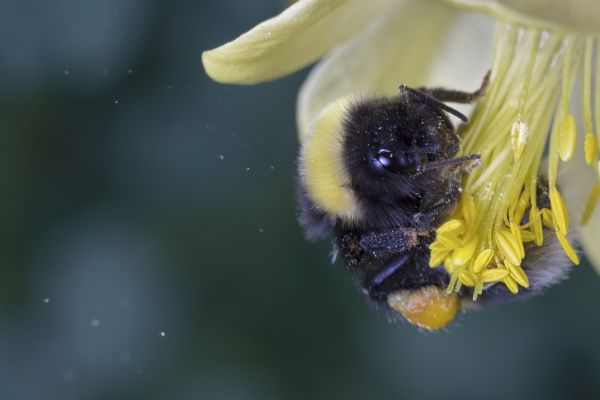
(149,247)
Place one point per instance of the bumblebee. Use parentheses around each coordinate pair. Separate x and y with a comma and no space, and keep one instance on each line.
(379,175)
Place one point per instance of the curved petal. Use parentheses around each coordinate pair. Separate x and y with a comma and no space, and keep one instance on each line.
(576,15)
(414,43)
(589,240)
(285,43)
(464,55)
(576,180)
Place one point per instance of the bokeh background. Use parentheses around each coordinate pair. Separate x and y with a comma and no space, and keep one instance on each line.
(149,247)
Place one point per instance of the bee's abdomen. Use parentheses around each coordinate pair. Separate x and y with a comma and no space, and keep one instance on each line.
(316,223)
(390,260)
(413,273)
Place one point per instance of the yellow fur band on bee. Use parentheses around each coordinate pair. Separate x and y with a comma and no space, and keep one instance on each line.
(322,166)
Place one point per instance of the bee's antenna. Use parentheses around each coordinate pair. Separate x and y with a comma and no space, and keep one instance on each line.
(450,161)
(434,102)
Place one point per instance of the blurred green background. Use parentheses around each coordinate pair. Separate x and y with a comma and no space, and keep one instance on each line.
(149,247)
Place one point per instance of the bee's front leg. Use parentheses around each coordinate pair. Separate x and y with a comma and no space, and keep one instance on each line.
(457,96)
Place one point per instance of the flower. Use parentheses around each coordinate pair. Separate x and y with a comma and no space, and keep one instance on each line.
(541,48)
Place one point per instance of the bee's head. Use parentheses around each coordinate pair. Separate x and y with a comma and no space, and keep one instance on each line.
(377,148)
(390,145)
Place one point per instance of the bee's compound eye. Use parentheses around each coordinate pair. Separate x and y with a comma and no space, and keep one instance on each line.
(395,162)
(429,307)
(385,158)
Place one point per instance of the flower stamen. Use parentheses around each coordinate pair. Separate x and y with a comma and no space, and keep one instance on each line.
(559,211)
(567,137)
(498,218)
(590,142)
(591,204)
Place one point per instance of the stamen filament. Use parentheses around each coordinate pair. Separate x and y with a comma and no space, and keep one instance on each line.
(526,104)
(590,144)
(597,96)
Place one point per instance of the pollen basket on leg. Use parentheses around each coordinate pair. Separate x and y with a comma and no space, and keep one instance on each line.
(526,106)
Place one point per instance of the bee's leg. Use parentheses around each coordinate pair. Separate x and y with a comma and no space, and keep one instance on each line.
(407,270)
(383,244)
(384,273)
(467,168)
(359,246)
(436,208)
(457,96)
(385,253)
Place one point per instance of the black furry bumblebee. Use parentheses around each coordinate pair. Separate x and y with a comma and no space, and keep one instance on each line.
(380,175)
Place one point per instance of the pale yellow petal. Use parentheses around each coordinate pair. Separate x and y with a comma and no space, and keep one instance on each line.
(576,15)
(283,44)
(417,43)
(463,56)
(589,240)
(576,181)
(387,53)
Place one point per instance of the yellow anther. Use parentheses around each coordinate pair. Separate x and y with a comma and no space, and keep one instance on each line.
(493,275)
(559,211)
(547,218)
(590,145)
(437,246)
(535,220)
(519,134)
(463,254)
(450,241)
(591,204)
(527,236)
(517,273)
(468,210)
(511,284)
(436,257)
(516,233)
(564,242)
(454,226)
(567,137)
(483,260)
(467,278)
(508,246)
(448,265)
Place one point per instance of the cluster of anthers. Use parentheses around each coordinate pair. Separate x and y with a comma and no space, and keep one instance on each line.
(526,105)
